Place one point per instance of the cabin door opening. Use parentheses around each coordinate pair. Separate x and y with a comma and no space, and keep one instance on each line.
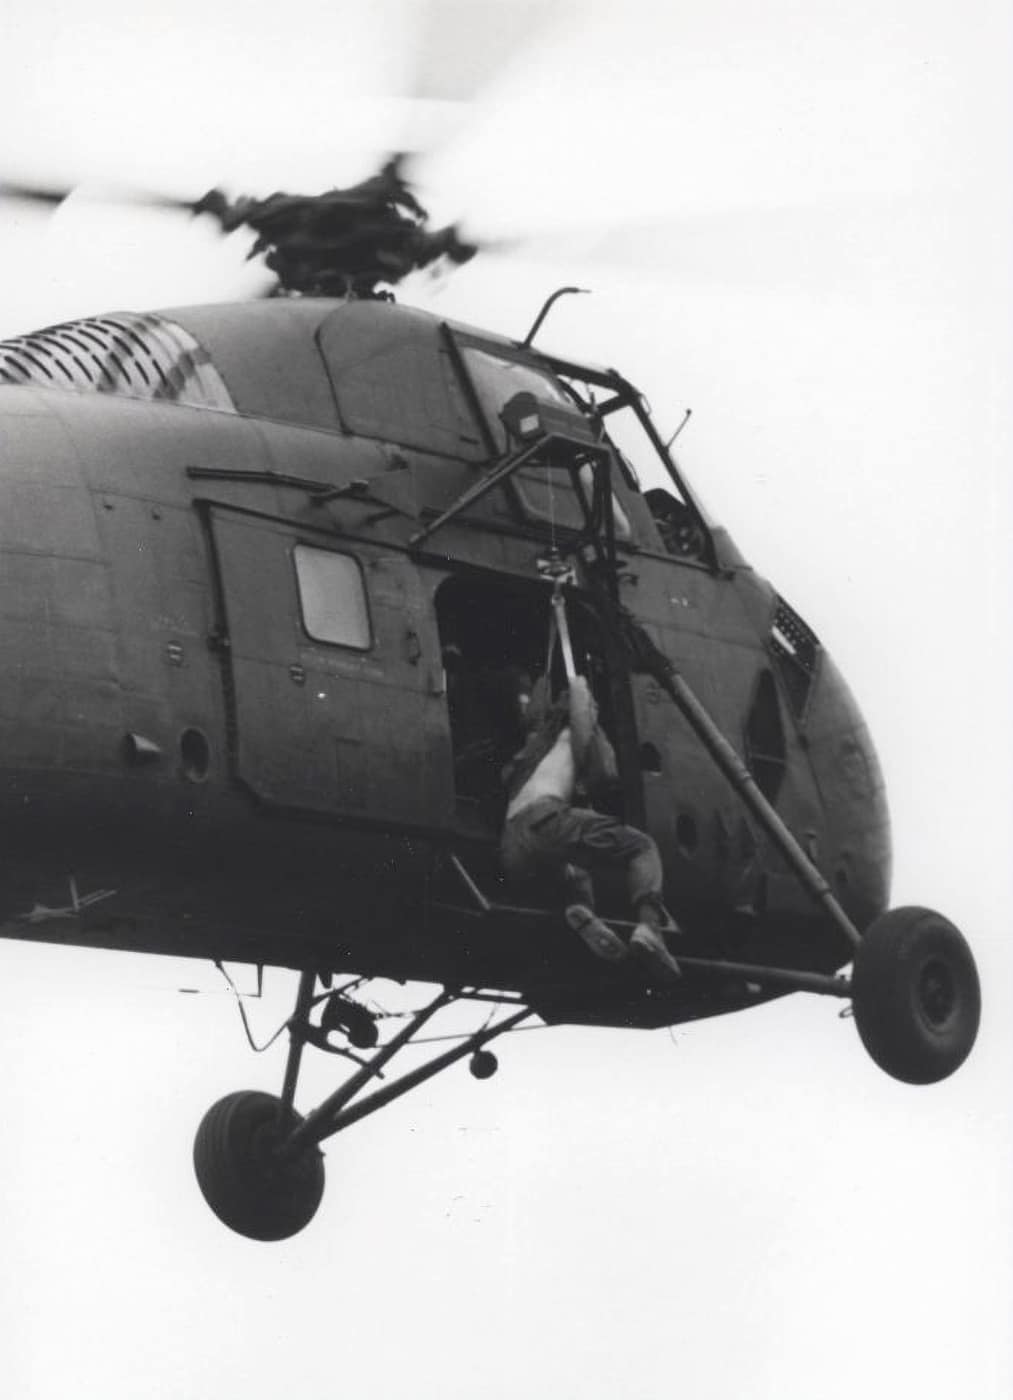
(494,635)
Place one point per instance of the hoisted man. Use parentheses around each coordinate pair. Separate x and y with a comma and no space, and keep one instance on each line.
(545,833)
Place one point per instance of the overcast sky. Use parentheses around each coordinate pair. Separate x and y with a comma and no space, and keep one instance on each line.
(796,219)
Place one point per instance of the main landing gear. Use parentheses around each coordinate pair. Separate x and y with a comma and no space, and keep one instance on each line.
(258,1162)
(914,993)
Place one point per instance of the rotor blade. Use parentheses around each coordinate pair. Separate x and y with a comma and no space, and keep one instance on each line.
(463,48)
(35,194)
(151,200)
(837,243)
(55,196)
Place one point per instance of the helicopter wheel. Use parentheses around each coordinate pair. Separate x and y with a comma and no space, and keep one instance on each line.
(916,996)
(249,1186)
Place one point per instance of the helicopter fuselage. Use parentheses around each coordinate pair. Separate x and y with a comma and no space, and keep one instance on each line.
(247,702)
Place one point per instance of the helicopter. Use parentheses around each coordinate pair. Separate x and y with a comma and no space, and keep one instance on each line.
(267,565)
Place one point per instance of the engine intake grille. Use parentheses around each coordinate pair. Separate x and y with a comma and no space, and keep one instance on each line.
(141,356)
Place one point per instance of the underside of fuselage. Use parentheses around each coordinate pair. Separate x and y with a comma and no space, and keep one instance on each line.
(233,882)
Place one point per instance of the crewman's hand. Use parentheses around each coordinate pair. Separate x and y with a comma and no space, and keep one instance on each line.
(580,694)
(583,714)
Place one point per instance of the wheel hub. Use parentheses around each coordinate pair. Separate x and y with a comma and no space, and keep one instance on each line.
(937,993)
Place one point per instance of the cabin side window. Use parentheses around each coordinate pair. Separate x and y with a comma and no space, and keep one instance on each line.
(332,598)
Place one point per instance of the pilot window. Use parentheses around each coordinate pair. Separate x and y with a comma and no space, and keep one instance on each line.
(332,597)
(497,379)
(544,494)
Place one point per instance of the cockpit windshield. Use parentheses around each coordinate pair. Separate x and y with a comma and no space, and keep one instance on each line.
(497,379)
(611,408)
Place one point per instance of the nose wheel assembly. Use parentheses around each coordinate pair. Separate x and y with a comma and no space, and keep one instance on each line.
(916,996)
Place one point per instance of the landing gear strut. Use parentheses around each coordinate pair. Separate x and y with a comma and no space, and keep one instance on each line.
(258,1163)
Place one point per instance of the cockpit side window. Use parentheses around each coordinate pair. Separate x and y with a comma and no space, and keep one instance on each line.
(680,525)
(543,494)
(497,379)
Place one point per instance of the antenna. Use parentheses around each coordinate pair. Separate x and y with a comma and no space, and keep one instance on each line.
(549,303)
(685,419)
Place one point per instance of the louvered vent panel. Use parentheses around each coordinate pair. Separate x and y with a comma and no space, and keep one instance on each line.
(140,356)
(796,650)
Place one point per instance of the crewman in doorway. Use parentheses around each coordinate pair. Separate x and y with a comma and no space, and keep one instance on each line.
(545,832)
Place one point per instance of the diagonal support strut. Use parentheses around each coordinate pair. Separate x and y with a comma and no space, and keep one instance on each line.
(334,1114)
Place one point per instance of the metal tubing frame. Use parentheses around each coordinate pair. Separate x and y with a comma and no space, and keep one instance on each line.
(480,488)
(333,1115)
(507,467)
(469,884)
(297,1040)
(742,780)
(328,1118)
(307,1131)
(826,984)
(415,1077)
(714,741)
(605,553)
(823,983)
(645,656)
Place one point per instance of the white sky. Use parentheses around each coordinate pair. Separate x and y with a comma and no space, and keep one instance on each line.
(746,1208)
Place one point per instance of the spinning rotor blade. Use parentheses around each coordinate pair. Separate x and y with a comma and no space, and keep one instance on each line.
(149,200)
(462,48)
(833,243)
(33,194)
(455,51)
(55,196)
(459,51)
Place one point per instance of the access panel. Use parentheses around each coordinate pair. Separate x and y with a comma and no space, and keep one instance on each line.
(334,666)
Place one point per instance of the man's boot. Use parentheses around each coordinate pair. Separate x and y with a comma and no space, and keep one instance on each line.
(602,941)
(648,943)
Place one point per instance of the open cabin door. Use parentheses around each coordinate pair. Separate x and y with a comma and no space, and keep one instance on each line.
(494,630)
(333,657)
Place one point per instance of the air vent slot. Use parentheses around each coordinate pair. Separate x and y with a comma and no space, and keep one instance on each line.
(141,356)
(796,652)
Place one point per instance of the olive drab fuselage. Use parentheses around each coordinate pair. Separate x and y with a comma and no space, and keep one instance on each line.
(235,632)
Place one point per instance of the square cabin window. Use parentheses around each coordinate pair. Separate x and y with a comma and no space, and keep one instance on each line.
(332,597)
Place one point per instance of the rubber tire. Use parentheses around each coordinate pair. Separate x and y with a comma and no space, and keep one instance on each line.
(916,996)
(249,1188)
